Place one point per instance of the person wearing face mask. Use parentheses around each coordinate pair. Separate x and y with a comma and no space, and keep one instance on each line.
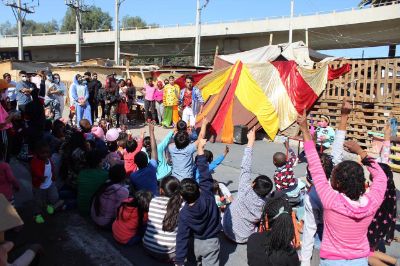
(51,98)
(61,89)
(11,93)
(23,90)
(80,96)
(325,134)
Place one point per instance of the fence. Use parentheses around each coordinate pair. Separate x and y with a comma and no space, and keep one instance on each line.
(373,86)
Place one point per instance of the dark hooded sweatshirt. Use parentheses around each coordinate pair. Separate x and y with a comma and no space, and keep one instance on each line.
(202,220)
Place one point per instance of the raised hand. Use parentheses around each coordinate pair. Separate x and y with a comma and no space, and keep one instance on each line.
(302,121)
(201,144)
(353,147)
(251,137)
(387,131)
(346,107)
(226,150)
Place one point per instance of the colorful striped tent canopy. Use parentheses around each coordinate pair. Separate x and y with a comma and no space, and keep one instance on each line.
(179,77)
(268,95)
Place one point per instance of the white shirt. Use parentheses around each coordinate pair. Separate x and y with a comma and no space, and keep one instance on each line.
(47,174)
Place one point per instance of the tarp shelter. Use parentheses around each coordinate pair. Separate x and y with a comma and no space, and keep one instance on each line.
(270,95)
(296,51)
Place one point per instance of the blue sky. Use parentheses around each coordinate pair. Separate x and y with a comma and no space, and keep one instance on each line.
(170,12)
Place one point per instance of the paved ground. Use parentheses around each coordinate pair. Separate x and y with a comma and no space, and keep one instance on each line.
(69,239)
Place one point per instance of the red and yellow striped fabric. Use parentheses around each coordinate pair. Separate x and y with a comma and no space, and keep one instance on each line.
(270,95)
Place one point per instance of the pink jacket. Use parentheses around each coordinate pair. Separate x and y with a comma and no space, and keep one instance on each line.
(8,182)
(345,221)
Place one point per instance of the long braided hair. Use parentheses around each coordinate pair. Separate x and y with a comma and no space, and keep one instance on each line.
(280,223)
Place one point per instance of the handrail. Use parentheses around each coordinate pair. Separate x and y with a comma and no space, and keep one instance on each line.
(395,2)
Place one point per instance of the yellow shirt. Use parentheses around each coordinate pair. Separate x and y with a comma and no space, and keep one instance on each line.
(171,95)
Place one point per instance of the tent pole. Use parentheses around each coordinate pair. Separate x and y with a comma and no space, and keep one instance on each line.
(271,36)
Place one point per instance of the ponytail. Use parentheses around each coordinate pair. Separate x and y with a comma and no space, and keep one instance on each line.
(171,187)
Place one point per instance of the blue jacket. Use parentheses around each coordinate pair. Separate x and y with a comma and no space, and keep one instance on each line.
(74,90)
(21,97)
(214,164)
(197,99)
(163,168)
(202,219)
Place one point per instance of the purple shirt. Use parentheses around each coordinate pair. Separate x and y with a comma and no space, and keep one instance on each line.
(149,92)
(158,95)
(110,200)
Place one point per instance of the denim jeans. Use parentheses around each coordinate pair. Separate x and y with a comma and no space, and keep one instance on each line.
(355,262)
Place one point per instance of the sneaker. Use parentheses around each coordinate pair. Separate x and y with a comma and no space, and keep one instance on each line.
(50,209)
(39,219)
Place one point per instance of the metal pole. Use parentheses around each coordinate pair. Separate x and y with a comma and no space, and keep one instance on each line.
(20,43)
(198,35)
(78,33)
(307,37)
(271,36)
(291,21)
(117,37)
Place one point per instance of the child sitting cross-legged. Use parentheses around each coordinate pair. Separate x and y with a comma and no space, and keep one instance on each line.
(109,196)
(249,201)
(130,224)
(199,217)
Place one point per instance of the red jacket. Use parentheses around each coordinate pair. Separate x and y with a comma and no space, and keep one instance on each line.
(37,171)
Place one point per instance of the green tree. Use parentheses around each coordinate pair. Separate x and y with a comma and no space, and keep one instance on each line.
(7,29)
(132,22)
(94,19)
(32,27)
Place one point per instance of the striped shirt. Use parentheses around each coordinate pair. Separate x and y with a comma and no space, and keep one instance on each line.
(243,215)
(345,221)
(155,239)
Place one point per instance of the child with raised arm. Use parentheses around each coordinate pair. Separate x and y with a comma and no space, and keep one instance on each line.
(249,201)
(348,208)
(199,217)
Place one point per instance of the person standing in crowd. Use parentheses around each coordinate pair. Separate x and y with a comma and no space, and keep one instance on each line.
(149,103)
(170,101)
(158,100)
(24,89)
(41,84)
(80,95)
(51,98)
(131,93)
(110,97)
(5,124)
(11,91)
(61,90)
(94,88)
(191,102)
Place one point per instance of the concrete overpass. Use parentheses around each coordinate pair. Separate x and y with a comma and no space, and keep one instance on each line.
(371,26)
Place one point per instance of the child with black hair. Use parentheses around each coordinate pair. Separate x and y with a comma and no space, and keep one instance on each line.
(109,197)
(199,217)
(43,186)
(284,174)
(89,181)
(249,201)
(213,164)
(348,208)
(85,126)
(133,146)
(145,178)
(147,146)
(274,246)
(181,152)
(130,224)
(113,157)
(160,237)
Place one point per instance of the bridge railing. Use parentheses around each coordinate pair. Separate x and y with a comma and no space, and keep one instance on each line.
(209,22)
